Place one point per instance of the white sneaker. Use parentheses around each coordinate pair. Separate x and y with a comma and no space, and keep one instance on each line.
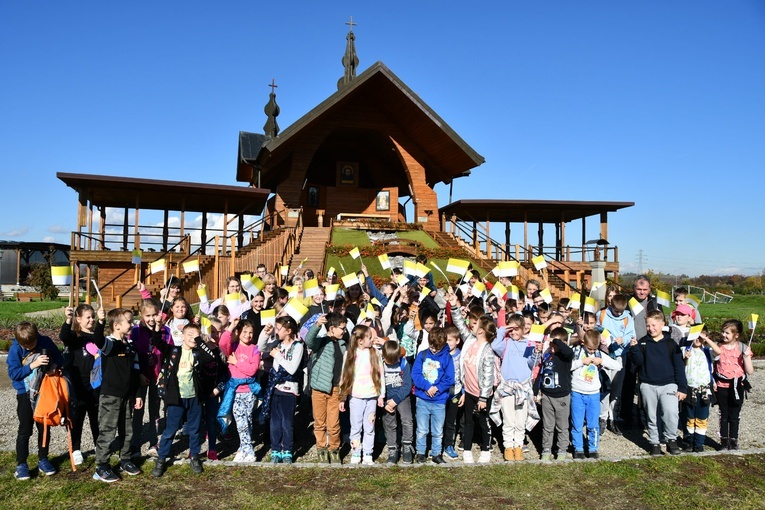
(248,458)
(484,458)
(356,458)
(367,461)
(239,457)
(77,457)
(467,457)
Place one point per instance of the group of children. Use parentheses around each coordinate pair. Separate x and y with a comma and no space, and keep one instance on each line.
(388,354)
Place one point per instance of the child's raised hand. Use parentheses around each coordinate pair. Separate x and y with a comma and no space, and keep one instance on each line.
(140,286)
(268,328)
(364,269)
(69,312)
(321,320)
(101,313)
(236,320)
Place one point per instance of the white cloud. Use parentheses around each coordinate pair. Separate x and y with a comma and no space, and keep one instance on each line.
(18,232)
(57,229)
(724,271)
(49,239)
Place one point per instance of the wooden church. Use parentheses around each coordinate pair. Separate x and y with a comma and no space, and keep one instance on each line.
(353,161)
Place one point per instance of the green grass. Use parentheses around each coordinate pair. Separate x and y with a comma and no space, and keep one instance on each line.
(720,481)
(740,308)
(16,308)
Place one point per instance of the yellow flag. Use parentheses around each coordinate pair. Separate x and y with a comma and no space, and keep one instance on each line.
(384,262)
(295,309)
(61,275)
(192,266)
(539,262)
(355,253)
(157,266)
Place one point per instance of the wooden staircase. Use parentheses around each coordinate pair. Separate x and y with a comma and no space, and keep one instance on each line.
(312,245)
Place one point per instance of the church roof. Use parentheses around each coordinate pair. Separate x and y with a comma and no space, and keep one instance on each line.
(376,98)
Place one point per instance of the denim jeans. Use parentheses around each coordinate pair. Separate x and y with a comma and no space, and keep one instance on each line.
(585,408)
(192,410)
(430,418)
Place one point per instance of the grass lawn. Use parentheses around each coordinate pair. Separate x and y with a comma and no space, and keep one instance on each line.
(719,481)
(740,308)
(16,308)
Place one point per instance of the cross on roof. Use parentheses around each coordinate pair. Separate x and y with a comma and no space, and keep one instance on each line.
(351,24)
(273,85)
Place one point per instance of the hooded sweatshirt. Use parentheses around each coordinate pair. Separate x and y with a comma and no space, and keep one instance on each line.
(622,326)
(433,370)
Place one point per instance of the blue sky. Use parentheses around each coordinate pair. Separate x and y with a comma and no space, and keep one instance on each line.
(657,102)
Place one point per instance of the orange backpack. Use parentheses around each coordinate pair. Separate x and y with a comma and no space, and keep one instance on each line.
(52,407)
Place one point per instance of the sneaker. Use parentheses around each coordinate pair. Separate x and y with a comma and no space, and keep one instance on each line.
(368,461)
(239,457)
(322,456)
(451,453)
(22,472)
(286,457)
(135,455)
(698,449)
(613,427)
(438,459)
(733,443)
(105,474)
(129,468)
(422,458)
(524,449)
(546,457)
(196,465)
(484,457)
(159,468)
(460,446)
(250,457)
(46,467)
(392,455)
(509,454)
(407,454)
(602,425)
(276,457)
(467,457)
(77,457)
(593,455)
(334,457)
(152,451)
(655,449)
(673,448)
(356,458)
(212,455)
(579,456)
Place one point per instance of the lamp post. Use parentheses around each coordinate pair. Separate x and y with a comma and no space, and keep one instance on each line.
(1,275)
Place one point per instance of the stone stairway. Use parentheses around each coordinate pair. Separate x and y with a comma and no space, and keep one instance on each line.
(313,245)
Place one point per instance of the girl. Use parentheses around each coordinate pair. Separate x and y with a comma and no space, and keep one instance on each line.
(237,344)
(181,315)
(269,290)
(233,286)
(477,378)
(698,372)
(364,381)
(77,335)
(731,369)
(283,388)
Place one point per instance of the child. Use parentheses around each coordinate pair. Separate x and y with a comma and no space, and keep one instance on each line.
(681,298)
(455,402)
(77,336)
(150,361)
(555,386)
(212,383)
(731,369)
(586,391)
(428,321)
(327,368)
(119,385)
(682,319)
(398,388)
(363,380)
(516,389)
(284,387)
(477,378)
(238,347)
(659,362)
(179,386)
(698,372)
(181,315)
(621,326)
(29,352)
(433,377)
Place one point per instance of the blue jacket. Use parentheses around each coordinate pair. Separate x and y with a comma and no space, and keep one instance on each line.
(18,371)
(433,370)
(398,381)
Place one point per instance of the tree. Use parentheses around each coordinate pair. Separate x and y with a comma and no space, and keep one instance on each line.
(39,278)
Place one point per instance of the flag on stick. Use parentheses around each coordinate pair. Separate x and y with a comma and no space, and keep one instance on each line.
(410,268)
(539,262)
(590,304)
(663,298)
(61,275)
(693,301)
(157,266)
(252,284)
(575,301)
(635,307)
(440,271)
(192,266)
(202,293)
(350,280)
(457,266)
(384,262)
(695,332)
(311,287)
(267,316)
(284,270)
(206,324)
(545,293)
(401,280)
(331,291)
(478,289)
(421,270)
(537,333)
(513,293)
(136,256)
(753,321)
(302,263)
(506,269)
(233,299)
(355,253)
(499,290)
(295,309)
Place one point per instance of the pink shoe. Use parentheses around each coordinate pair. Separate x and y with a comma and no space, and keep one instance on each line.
(212,455)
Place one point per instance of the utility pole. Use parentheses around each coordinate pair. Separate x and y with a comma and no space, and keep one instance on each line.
(641,257)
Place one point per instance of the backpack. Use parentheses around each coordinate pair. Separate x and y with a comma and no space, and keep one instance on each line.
(625,319)
(95,373)
(52,407)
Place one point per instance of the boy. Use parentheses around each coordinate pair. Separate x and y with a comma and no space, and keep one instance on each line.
(662,380)
(456,398)
(620,324)
(586,392)
(150,361)
(433,376)
(516,388)
(180,388)
(119,384)
(428,321)
(326,369)
(30,351)
(398,388)
(681,295)
(555,386)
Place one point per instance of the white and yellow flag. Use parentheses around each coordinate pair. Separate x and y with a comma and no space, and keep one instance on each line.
(252,284)
(192,266)
(421,270)
(753,321)
(410,268)
(157,266)
(545,293)
(499,290)
(635,307)
(384,262)
(575,301)
(537,333)
(202,293)
(61,275)
(695,332)
(355,253)
(311,287)
(590,305)
(295,309)
(506,269)
(330,291)
(663,298)
(539,262)
(350,280)
(267,316)
(457,266)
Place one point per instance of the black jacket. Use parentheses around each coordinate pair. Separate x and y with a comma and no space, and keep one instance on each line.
(172,354)
(120,372)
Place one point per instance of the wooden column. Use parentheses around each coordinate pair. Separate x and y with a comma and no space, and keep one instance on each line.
(584,238)
(102,227)
(136,240)
(507,241)
(204,234)
(125,230)
(563,238)
(165,230)
(525,235)
(90,224)
(604,225)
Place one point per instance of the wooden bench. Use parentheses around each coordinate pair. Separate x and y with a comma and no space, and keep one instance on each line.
(27,296)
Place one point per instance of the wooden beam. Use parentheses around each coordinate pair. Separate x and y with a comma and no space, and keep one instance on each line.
(102,227)
(136,241)
(165,233)
(604,225)
(204,233)
(125,230)
(507,241)
(526,234)
(183,218)
(90,224)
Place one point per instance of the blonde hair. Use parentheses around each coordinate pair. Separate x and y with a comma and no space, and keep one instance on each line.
(349,369)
